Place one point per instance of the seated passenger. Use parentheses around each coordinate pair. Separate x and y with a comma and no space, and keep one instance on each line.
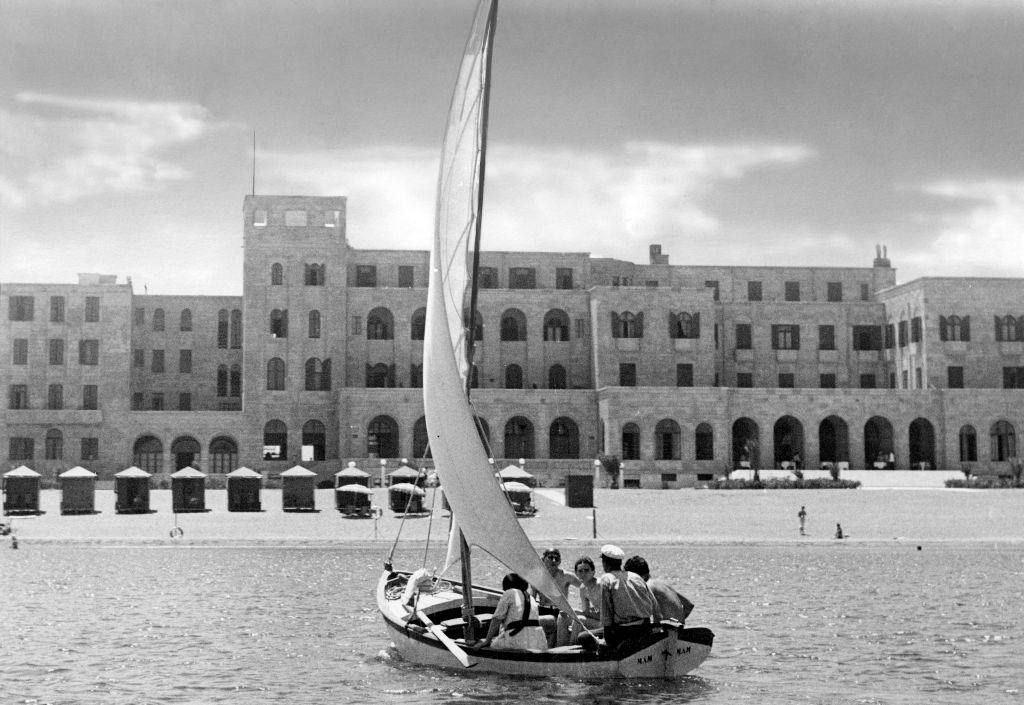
(514,624)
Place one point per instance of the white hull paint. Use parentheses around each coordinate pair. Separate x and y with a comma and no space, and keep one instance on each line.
(668,657)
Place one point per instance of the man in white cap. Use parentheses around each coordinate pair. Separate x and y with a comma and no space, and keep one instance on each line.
(628,607)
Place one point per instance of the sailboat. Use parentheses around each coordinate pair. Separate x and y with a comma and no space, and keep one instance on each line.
(432,621)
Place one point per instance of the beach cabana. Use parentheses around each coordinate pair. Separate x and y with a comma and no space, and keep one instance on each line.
(353,500)
(188,491)
(521,497)
(406,498)
(77,491)
(351,476)
(298,490)
(131,487)
(405,474)
(244,490)
(21,491)
(514,473)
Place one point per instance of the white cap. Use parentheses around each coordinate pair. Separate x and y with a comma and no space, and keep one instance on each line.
(612,551)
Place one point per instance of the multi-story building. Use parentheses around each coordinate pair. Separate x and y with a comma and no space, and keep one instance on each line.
(680,371)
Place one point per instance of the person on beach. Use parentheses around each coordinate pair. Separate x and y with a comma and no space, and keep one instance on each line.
(590,598)
(802,516)
(628,607)
(557,629)
(672,603)
(514,624)
(839,532)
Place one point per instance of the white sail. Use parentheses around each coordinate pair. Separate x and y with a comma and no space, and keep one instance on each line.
(487,520)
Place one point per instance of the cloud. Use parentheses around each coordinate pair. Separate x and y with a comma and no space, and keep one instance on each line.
(610,204)
(60,149)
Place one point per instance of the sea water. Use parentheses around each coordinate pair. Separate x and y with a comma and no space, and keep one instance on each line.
(828,622)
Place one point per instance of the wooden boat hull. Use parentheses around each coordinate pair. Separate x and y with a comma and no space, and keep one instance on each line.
(671,653)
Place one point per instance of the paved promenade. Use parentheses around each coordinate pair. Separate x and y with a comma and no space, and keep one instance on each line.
(911,506)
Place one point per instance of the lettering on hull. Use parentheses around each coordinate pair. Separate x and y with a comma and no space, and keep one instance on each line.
(682,650)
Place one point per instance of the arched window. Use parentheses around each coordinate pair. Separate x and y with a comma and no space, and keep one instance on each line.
(556,326)
(315,275)
(420,439)
(318,375)
(564,438)
(236,380)
(314,440)
(556,377)
(627,325)
(704,442)
(684,325)
(378,375)
(382,438)
(186,320)
(1003,441)
(222,328)
(954,328)
(419,323)
(513,377)
(513,325)
(223,455)
(275,374)
(54,444)
(968,444)
(631,442)
(147,454)
(518,438)
(279,323)
(222,380)
(314,324)
(236,329)
(666,440)
(380,325)
(276,274)
(275,440)
(186,451)
(1006,328)
(158,320)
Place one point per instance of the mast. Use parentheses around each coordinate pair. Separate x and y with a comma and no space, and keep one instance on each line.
(469,631)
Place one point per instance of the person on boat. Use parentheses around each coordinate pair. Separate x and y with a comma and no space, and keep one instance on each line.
(672,603)
(628,607)
(514,624)
(557,629)
(589,613)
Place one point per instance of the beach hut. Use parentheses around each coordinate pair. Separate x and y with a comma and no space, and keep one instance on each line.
(77,491)
(405,497)
(298,490)
(244,490)
(131,487)
(406,474)
(188,491)
(351,476)
(515,473)
(521,497)
(21,491)
(353,500)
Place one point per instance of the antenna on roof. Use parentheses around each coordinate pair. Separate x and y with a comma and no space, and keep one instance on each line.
(254,163)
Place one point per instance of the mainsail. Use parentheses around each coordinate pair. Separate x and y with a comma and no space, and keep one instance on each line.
(480,507)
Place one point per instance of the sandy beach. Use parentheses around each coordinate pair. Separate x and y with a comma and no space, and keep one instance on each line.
(909,507)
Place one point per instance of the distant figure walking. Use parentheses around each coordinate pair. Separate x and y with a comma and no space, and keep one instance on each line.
(839,531)
(802,516)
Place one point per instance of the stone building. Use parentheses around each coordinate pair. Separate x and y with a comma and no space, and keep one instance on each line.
(681,371)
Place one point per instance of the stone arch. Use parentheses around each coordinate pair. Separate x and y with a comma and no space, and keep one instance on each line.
(878,440)
(563,439)
(148,454)
(922,442)
(186,451)
(667,438)
(833,440)
(746,442)
(223,453)
(519,438)
(382,437)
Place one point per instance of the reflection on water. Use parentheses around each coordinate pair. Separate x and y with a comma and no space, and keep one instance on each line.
(864,623)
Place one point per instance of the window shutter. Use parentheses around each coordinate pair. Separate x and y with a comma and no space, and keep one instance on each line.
(615,324)
(942,328)
(999,330)
(965,329)
(696,325)
(796,337)
(640,325)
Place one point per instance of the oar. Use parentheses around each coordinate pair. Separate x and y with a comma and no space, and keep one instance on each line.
(437,631)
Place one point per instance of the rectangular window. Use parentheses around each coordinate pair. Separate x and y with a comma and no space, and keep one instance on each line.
(138,357)
(835,291)
(314,274)
(826,337)
(88,352)
(21,308)
(955,377)
(785,337)
(892,380)
(744,337)
(185,361)
(627,374)
(296,219)
(90,449)
(890,336)
(713,285)
(745,379)
(563,278)
(786,380)
(56,309)
(754,291)
(405,276)
(867,381)
(157,364)
(651,283)
(56,351)
(17,396)
(55,396)
(21,448)
(918,381)
(356,326)
(915,329)
(137,400)
(139,317)
(332,219)
(867,338)
(905,379)
(827,380)
(792,291)
(92,309)
(581,327)
(1013,377)
(902,333)
(19,354)
(366,275)
(488,278)
(259,218)
(184,401)
(90,397)
(865,292)
(522,278)
(684,374)
(158,401)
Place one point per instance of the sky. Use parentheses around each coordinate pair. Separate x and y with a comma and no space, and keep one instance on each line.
(732,132)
